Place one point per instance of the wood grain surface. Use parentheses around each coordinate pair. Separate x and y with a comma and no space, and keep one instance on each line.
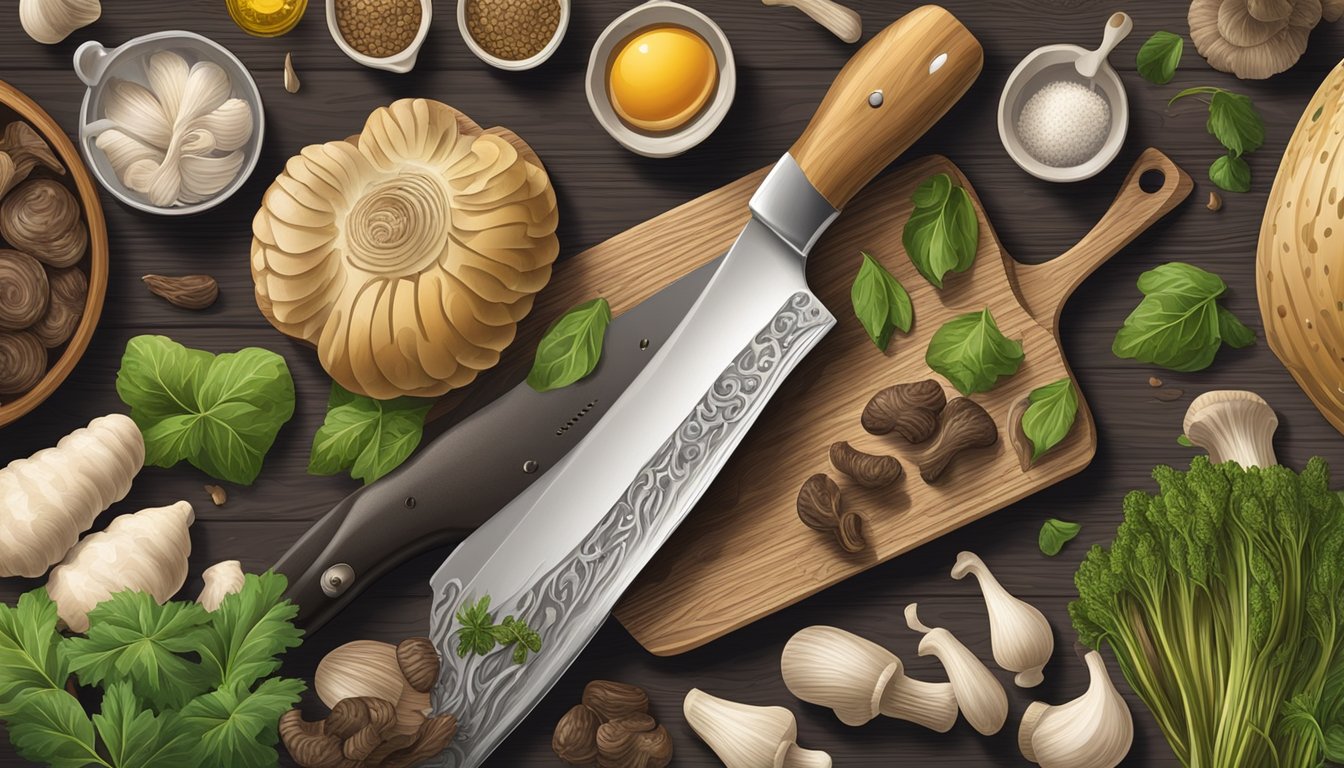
(785,64)
(744,554)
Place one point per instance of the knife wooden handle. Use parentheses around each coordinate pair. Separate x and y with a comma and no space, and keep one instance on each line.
(897,86)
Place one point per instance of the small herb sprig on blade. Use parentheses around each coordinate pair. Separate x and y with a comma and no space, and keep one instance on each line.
(479,634)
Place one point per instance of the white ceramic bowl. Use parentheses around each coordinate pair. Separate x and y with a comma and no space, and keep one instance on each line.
(400,63)
(675,142)
(1047,65)
(513,65)
(95,64)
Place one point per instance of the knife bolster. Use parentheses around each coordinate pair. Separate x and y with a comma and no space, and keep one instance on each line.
(791,207)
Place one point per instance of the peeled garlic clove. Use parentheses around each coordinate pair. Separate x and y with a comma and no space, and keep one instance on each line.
(133,108)
(123,150)
(746,736)
(167,74)
(1094,730)
(207,88)
(291,77)
(221,580)
(230,122)
(1020,634)
(51,21)
(206,176)
(979,695)
(837,669)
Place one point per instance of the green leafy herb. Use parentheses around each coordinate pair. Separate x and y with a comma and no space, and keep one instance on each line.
(1231,173)
(943,232)
(972,353)
(1055,534)
(1159,57)
(368,437)
(1184,441)
(1050,416)
(880,302)
(1179,324)
(160,708)
(221,413)
(571,347)
(517,633)
(476,635)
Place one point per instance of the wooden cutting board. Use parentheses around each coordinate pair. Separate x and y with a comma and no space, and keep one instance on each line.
(743,553)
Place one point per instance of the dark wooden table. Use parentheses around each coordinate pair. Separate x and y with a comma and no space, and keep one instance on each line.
(785,64)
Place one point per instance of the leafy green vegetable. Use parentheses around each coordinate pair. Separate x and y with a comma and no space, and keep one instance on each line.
(366,436)
(943,232)
(880,302)
(1050,416)
(160,708)
(1159,57)
(1055,534)
(972,353)
(571,347)
(1231,173)
(219,412)
(517,633)
(1184,441)
(1179,324)
(1222,597)
(476,635)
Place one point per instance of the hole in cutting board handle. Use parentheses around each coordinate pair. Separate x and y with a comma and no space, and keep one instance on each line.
(1152,180)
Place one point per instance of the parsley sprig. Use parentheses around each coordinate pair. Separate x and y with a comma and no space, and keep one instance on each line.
(479,634)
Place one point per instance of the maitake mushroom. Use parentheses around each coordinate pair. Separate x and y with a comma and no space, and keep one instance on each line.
(42,218)
(408,256)
(1255,39)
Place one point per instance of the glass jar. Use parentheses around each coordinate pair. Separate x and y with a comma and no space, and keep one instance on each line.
(266,18)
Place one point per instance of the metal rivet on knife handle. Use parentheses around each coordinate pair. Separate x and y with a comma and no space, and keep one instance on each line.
(529,466)
(875,99)
(337,579)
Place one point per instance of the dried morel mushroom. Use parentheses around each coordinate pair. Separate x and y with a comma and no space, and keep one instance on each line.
(965,425)
(69,295)
(1254,39)
(819,509)
(612,729)
(910,410)
(23,362)
(361,732)
(866,469)
(24,292)
(42,219)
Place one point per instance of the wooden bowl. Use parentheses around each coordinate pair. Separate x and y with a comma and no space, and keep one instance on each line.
(14,105)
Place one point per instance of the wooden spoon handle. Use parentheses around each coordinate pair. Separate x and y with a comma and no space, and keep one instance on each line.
(843,22)
(1045,287)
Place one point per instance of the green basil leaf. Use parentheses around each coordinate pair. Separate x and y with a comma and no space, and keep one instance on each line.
(1055,534)
(1235,334)
(1183,440)
(1050,416)
(880,302)
(943,232)
(972,353)
(1159,57)
(1178,324)
(571,347)
(221,413)
(366,436)
(1231,173)
(1234,121)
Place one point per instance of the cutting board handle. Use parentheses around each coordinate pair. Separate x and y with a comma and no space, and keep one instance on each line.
(1045,287)
(885,98)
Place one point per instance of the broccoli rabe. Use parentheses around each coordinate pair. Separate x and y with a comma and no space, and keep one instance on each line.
(1222,598)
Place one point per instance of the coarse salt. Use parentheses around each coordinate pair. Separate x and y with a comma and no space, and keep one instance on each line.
(1064,124)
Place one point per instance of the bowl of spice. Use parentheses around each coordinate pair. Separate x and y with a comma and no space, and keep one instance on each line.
(382,34)
(513,34)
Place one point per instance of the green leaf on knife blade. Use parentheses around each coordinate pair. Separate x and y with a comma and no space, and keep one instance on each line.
(1055,534)
(972,353)
(1050,416)
(880,302)
(1159,57)
(1179,324)
(943,232)
(477,633)
(368,437)
(1231,173)
(571,347)
(221,413)
(517,633)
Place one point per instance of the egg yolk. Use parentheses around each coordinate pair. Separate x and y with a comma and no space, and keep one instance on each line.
(661,77)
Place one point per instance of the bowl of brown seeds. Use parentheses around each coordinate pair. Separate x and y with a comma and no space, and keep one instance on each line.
(382,34)
(513,34)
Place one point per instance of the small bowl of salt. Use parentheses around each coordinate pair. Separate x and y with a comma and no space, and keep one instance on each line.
(1063,114)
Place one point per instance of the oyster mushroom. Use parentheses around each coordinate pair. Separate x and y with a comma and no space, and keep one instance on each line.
(43,219)
(26,149)
(1233,425)
(69,295)
(745,736)
(1253,39)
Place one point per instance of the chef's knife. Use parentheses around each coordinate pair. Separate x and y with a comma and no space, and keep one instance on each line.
(559,555)
(462,477)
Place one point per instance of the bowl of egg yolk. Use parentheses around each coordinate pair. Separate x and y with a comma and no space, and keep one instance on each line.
(661,78)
